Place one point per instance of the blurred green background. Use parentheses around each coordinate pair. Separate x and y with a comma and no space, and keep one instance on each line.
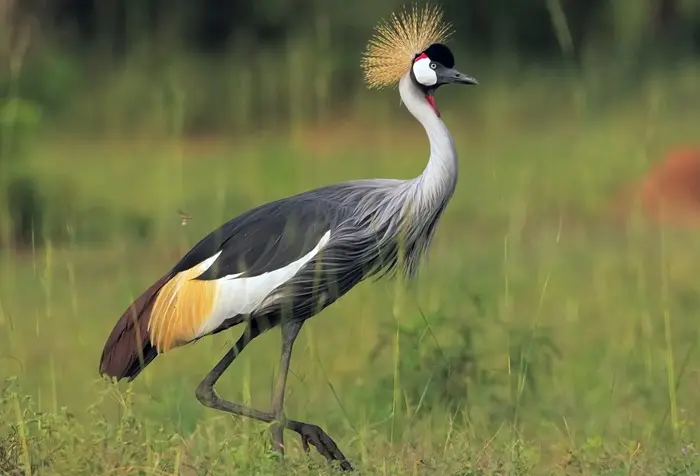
(552,331)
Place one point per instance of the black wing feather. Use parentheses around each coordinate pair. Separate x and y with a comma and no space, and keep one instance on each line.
(263,239)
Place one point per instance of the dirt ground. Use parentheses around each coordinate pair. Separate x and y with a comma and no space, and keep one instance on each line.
(669,194)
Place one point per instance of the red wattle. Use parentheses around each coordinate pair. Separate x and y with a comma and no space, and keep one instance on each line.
(431,101)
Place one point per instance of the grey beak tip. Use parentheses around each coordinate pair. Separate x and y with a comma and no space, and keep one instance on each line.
(464,79)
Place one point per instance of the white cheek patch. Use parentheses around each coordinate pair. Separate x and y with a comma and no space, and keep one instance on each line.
(423,73)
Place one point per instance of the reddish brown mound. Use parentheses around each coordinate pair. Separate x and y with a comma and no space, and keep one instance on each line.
(670,192)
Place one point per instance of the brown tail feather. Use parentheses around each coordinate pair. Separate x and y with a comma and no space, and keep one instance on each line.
(128,349)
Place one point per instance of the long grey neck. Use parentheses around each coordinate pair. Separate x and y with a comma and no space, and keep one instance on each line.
(435,186)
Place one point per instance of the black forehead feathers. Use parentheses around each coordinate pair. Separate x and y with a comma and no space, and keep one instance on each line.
(442,54)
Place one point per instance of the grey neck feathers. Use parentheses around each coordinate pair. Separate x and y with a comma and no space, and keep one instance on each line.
(435,186)
(425,197)
(392,222)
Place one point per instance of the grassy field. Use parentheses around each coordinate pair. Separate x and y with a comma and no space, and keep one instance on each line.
(545,335)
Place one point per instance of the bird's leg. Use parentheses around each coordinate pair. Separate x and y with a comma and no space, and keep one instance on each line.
(310,434)
(205,390)
(290,331)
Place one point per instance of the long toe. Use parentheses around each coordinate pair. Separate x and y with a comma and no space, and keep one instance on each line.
(324,444)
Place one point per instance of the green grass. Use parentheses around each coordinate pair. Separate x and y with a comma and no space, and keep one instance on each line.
(542,337)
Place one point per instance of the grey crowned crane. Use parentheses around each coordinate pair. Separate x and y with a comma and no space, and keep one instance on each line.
(283,262)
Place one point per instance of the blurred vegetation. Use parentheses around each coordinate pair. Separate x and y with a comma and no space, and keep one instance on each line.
(517,363)
(133,65)
(161,68)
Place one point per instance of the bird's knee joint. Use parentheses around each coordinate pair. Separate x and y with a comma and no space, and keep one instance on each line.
(206,395)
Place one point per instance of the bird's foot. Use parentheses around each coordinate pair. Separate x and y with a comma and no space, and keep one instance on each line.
(314,435)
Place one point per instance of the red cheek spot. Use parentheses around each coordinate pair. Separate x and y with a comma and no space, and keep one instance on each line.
(431,101)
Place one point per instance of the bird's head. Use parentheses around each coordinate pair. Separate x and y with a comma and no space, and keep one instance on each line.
(434,67)
(412,43)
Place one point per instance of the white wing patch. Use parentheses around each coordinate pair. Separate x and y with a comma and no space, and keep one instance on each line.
(244,295)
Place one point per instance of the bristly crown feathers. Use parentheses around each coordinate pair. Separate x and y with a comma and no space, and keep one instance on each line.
(398,40)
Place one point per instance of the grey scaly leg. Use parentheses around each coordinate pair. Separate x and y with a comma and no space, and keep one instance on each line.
(309,433)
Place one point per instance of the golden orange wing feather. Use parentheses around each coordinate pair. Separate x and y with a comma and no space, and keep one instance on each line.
(182,306)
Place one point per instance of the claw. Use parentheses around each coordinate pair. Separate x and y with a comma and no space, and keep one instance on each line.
(321,441)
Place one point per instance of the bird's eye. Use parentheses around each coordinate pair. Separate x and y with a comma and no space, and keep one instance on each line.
(433,66)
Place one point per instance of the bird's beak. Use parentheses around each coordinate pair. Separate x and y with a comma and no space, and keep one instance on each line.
(450,75)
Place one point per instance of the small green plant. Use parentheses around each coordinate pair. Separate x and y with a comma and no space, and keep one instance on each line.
(455,375)
(19,122)
(26,208)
